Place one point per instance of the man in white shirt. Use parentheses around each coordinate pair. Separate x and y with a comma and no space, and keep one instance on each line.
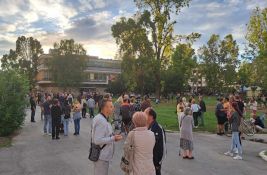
(102,135)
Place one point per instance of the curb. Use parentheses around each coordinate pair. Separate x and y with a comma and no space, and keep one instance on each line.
(170,131)
(263,156)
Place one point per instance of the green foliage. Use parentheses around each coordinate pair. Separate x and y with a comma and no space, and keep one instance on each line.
(177,75)
(219,61)
(67,70)
(116,87)
(260,68)
(257,29)
(137,55)
(24,59)
(256,70)
(69,47)
(246,74)
(13,90)
(154,21)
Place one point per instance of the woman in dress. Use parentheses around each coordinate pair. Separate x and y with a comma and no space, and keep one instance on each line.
(186,138)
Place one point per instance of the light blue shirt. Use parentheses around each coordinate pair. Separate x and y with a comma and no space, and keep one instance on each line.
(195,107)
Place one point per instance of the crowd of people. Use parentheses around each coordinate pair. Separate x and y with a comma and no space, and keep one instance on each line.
(57,110)
(147,138)
(233,110)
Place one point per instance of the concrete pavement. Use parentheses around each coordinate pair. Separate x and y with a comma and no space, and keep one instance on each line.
(35,154)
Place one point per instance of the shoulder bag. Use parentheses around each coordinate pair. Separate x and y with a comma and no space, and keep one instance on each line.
(95,150)
(127,158)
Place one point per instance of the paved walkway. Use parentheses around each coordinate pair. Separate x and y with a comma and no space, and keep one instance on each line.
(35,154)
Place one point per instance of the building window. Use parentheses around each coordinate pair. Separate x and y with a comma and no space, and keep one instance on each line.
(47,76)
(92,76)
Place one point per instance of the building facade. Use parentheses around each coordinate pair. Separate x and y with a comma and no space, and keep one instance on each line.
(99,72)
(197,81)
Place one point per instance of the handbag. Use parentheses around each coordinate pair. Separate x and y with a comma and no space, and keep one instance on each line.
(95,150)
(127,158)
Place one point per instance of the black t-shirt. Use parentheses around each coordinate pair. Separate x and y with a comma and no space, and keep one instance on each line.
(219,107)
(56,113)
(126,113)
(241,106)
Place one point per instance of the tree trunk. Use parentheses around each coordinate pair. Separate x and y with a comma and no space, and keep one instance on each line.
(158,85)
(157,75)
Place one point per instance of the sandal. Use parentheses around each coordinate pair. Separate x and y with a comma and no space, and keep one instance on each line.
(190,157)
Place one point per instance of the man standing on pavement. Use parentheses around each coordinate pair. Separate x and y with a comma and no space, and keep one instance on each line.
(202,110)
(91,106)
(47,115)
(159,133)
(56,119)
(102,135)
(33,107)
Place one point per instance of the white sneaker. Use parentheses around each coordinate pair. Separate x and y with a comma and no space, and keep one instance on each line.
(235,151)
(49,134)
(237,157)
(45,134)
(228,153)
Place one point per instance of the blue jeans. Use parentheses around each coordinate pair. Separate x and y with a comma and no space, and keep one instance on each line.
(47,123)
(236,143)
(66,126)
(91,112)
(77,126)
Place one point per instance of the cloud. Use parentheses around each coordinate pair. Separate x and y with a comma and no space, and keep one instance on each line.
(92,4)
(95,26)
(89,21)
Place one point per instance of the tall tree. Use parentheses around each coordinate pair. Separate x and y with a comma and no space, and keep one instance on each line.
(136,53)
(257,29)
(67,70)
(69,47)
(183,61)
(219,58)
(246,74)
(24,58)
(257,47)
(155,20)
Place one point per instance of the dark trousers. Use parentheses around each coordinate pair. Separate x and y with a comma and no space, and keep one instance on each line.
(91,111)
(32,114)
(158,170)
(195,116)
(55,128)
(83,112)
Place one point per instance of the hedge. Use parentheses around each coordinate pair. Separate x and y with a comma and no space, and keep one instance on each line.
(13,92)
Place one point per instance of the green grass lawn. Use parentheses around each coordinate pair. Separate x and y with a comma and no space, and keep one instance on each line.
(168,119)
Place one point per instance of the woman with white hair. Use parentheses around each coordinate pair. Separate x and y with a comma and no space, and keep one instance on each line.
(186,138)
(143,143)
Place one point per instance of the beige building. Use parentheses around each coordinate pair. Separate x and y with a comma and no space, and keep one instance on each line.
(99,73)
(197,81)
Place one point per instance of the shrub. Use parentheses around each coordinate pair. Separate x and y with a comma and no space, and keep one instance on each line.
(13,91)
